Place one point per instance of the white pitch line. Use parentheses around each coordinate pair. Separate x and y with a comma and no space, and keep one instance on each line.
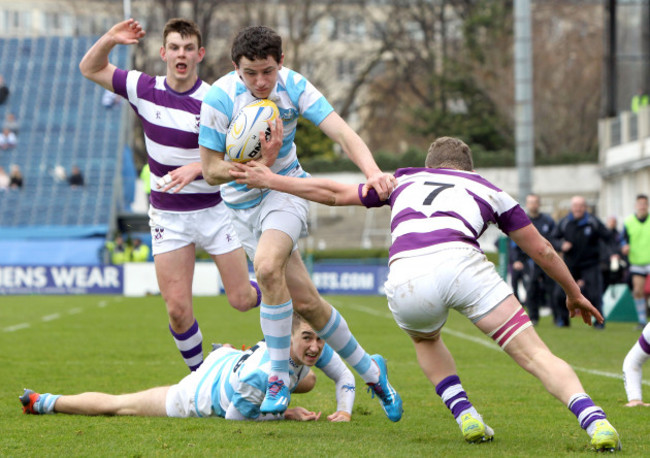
(16,327)
(491,345)
(54,316)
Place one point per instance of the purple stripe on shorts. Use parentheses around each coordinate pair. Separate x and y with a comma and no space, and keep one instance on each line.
(184,202)
(414,241)
(645,346)
(163,169)
(168,136)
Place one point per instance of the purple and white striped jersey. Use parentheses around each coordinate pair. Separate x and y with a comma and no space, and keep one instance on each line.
(442,208)
(170,121)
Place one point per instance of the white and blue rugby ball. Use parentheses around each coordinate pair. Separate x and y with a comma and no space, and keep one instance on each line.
(243,136)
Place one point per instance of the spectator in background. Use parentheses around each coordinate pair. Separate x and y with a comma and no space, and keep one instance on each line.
(139,251)
(636,246)
(4,179)
(612,261)
(8,139)
(145,176)
(4,91)
(578,236)
(517,269)
(540,286)
(11,123)
(15,177)
(118,250)
(638,100)
(76,178)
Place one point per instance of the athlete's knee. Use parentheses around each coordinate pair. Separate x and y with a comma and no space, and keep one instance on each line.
(269,272)
(243,300)
(180,315)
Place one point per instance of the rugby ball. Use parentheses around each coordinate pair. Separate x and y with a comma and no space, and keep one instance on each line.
(243,136)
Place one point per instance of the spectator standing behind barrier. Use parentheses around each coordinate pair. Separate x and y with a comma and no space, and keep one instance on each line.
(11,123)
(139,251)
(4,179)
(612,262)
(539,286)
(578,236)
(8,139)
(638,100)
(118,250)
(76,178)
(4,90)
(15,177)
(636,246)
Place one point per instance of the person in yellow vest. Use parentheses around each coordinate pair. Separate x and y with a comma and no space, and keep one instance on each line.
(118,250)
(139,251)
(636,246)
(639,100)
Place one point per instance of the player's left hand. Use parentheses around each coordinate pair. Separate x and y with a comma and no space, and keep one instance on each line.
(301,414)
(580,305)
(383,183)
(271,146)
(339,416)
(252,173)
(179,178)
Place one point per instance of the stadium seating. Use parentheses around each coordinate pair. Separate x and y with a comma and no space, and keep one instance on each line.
(62,122)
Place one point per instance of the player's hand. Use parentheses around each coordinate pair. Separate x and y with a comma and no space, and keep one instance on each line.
(637,403)
(253,174)
(566,246)
(179,178)
(518,265)
(383,183)
(339,416)
(271,146)
(126,32)
(301,414)
(580,305)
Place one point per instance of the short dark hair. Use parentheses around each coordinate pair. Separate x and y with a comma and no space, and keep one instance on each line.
(641,196)
(449,152)
(184,27)
(256,42)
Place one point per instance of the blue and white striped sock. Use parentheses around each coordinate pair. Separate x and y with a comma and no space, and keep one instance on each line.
(45,403)
(275,321)
(338,336)
(190,344)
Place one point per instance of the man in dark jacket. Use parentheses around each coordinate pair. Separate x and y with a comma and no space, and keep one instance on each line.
(539,286)
(578,236)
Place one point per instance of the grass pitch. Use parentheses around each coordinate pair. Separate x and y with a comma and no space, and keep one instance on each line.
(71,344)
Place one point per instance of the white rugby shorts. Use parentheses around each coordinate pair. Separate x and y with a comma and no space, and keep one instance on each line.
(278,210)
(422,289)
(640,269)
(192,396)
(209,228)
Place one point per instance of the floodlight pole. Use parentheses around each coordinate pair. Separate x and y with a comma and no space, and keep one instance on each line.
(524,121)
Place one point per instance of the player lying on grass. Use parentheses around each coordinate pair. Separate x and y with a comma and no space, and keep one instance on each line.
(632,373)
(230,383)
(436,264)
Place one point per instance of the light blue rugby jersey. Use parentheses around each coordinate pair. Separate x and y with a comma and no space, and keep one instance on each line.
(293,94)
(241,377)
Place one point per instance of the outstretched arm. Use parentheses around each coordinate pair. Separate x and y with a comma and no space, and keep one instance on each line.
(545,256)
(355,148)
(321,190)
(95,64)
